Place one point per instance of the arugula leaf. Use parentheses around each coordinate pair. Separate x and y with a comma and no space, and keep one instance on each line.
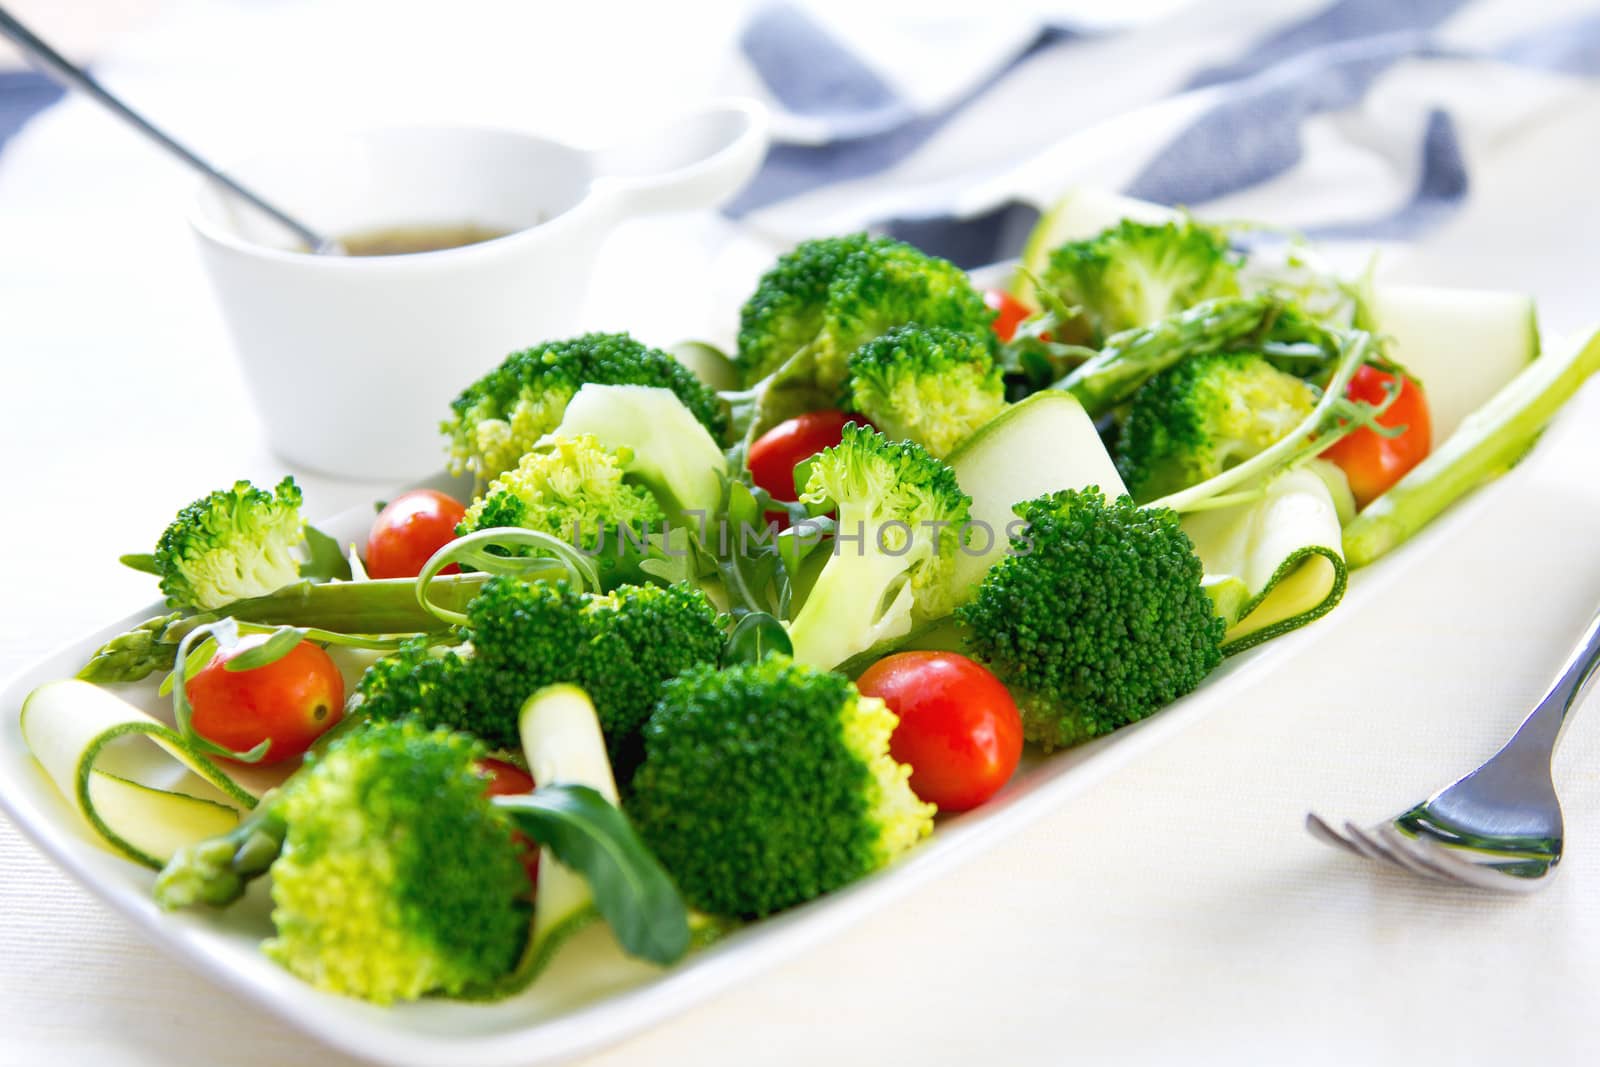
(632,891)
(756,636)
(325,560)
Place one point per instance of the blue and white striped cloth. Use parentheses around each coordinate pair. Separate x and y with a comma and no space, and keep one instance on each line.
(1347,119)
(23,94)
(1459,137)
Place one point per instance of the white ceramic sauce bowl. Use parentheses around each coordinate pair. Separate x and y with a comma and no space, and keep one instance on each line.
(352,361)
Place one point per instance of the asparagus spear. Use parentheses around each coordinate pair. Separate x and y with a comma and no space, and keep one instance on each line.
(1486,444)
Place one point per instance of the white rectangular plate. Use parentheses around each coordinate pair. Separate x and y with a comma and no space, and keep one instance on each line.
(592,996)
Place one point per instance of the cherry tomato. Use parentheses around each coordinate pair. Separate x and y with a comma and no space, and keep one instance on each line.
(959,729)
(508,780)
(1009,312)
(289,702)
(504,779)
(777,452)
(410,528)
(1370,461)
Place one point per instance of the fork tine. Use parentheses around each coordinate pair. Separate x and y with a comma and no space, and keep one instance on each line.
(1421,857)
(1470,873)
(1400,847)
(1370,848)
(1320,830)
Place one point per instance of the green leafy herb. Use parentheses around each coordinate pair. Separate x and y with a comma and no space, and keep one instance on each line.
(631,889)
(755,637)
(324,561)
(274,648)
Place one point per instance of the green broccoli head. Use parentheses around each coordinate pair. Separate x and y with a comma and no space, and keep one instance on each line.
(898,528)
(926,384)
(431,682)
(1136,273)
(831,294)
(1097,619)
(398,877)
(232,544)
(501,416)
(1199,418)
(786,312)
(643,636)
(523,636)
(571,488)
(519,637)
(767,784)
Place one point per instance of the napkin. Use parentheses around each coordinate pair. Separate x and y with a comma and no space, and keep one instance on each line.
(1359,119)
(23,94)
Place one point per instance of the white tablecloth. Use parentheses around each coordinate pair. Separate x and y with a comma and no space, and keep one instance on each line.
(1176,911)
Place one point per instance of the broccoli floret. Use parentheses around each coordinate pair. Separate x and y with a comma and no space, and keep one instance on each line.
(1288,338)
(900,513)
(767,784)
(668,452)
(832,294)
(572,489)
(522,636)
(232,544)
(431,682)
(393,876)
(1097,619)
(1135,273)
(926,384)
(502,415)
(786,311)
(628,467)
(1201,417)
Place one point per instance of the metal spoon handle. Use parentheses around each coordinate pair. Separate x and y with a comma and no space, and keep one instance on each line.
(75,77)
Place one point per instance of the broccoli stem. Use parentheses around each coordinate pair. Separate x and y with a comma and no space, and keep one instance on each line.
(1485,445)
(1292,447)
(833,624)
(215,871)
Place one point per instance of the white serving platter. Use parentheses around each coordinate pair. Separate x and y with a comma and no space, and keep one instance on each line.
(593,996)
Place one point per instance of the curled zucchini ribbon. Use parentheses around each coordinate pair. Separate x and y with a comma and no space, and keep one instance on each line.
(1273,564)
(70,726)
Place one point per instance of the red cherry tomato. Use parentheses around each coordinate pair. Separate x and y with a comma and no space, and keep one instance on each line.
(410,528)
(508,780)
(289,702)
(504,779)
(1009,312)
(777,452)
(959,729)
(1370,461)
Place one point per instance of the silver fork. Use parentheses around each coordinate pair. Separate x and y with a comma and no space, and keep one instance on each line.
(1500,826)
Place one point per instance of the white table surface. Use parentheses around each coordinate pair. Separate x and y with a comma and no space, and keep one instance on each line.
(1177,911)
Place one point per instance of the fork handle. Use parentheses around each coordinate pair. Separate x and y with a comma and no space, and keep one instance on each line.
(1541,730)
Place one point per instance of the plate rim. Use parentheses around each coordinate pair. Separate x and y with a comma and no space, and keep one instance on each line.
(365,1031)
